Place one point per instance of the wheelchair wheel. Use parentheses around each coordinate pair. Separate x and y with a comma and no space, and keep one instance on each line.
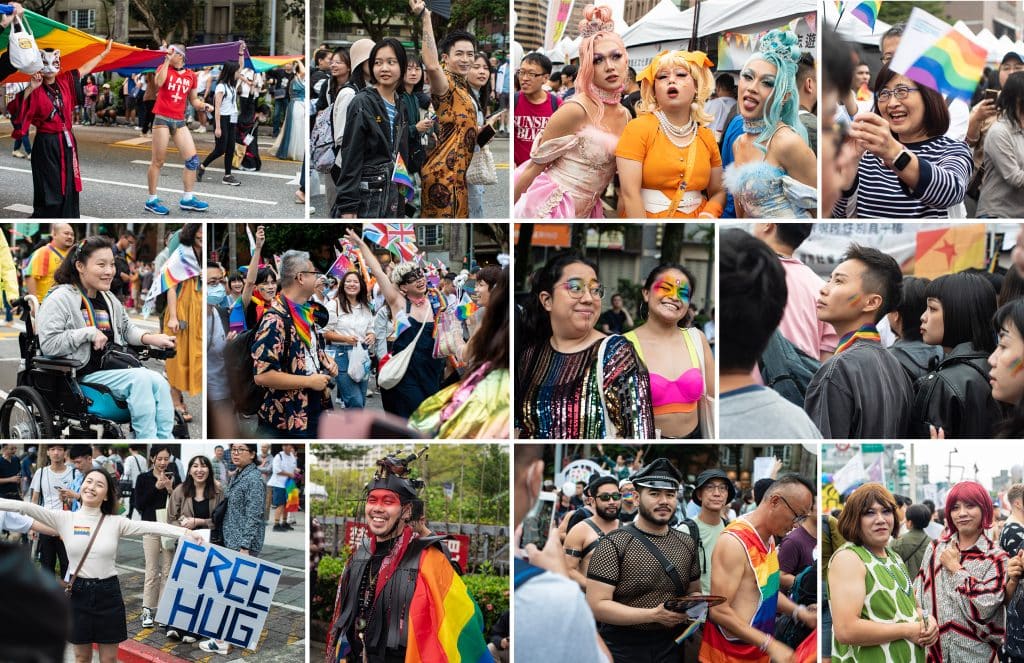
(25,416)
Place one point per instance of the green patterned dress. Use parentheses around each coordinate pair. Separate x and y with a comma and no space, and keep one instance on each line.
(888,599)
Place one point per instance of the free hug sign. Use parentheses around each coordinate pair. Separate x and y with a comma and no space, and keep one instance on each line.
(218,593)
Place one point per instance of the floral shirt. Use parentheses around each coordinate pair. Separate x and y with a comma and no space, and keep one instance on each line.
(288,409)
(244,526)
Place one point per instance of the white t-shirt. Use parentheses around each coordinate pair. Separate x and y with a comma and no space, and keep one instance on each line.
(282,463)
(357,323)
(227,102)
(49,484)
(217,382)
(15,522)
(134,466)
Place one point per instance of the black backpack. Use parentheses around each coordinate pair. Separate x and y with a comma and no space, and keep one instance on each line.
(787,369)
(791,632)
(691,526)
(246,394)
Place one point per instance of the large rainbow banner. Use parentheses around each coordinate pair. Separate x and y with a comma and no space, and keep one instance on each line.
(77,48)
(936,55)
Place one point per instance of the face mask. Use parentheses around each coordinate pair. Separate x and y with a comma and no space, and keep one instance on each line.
(215,295)
(51,61)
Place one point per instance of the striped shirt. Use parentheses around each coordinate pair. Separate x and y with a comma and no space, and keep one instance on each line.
(945,166)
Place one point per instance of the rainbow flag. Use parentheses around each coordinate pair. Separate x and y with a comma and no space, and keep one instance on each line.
(44,261)
(77,48)
(558,19)
(302,319)
(342,265)
(466,311)
(867,12)
(402,178)
(181,266)
(236,317)
(445,624)
(291,489)
(952,66)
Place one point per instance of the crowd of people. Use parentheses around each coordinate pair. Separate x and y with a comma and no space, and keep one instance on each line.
(909,582)
(315,342)
(869,353)
(168,104)
(403,135)
(578,376)
(82,495)
(669,148)
(640,570)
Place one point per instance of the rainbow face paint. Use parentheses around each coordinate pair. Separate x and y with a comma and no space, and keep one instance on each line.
(853,299)
(678,289)
(1016,366)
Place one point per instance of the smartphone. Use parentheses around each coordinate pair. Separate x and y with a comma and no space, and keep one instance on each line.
(539,520)
(991,95)
(485,135)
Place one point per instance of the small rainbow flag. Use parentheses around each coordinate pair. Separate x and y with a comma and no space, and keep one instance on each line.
(342,265)
(466,311)
(302,318)
(952,66)
(44,261)
(402,178)
(292,490)
(867,12)
(181,266)
(445,624)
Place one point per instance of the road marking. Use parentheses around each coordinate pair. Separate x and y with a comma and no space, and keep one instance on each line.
(159,188)
(138,140)
(28,209)
(214,168)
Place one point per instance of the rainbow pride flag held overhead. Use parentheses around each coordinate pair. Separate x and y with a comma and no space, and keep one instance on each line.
(291,489)
(77,48)
(867,12)
(182,265)
(938,56)
(342,265)
(445,624)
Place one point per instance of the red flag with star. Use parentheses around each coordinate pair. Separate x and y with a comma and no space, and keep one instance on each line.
(949,250)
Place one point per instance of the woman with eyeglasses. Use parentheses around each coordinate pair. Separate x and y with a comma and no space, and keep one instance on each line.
(965,578)
(875,615)
(669,351)
(573,161)
(572,381)
(413,308)
(909,168)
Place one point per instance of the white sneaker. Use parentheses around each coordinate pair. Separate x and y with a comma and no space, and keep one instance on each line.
(215,647)
(19,154)
(188,639)
(147,618)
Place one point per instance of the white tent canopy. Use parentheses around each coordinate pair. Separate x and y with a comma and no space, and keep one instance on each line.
(661,28)
(851,28)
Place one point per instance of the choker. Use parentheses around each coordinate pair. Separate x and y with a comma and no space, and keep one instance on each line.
(680,136)
(753,126)
(609,98)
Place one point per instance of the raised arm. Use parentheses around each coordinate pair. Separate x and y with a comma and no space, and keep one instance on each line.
(394,298)
(87,68)
(254,266)
(431,61)
(161,71)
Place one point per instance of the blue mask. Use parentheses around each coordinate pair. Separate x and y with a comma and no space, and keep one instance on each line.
(216,295)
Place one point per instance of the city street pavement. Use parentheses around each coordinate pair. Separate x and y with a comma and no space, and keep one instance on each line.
(496,197)
(284,635)
(114,161)
(10,363)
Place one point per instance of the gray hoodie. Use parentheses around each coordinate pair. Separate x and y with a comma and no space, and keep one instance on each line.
(63,332)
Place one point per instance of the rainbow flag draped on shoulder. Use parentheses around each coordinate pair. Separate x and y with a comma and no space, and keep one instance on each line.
(445,624)
(181,266)
(44,261)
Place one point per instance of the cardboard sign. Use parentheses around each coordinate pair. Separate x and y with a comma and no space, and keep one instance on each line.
(218,593)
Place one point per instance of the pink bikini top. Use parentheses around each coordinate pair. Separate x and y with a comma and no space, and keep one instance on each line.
(679,395)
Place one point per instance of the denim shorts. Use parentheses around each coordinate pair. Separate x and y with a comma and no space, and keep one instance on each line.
(278,497)
(164,121)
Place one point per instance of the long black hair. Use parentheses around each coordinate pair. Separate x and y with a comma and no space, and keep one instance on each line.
(1012,426)
(484,94)
(536,321)
(227,73)
(81,252)
(913,303)
(362,297)
(490,342)
(1010,103)
(188,486)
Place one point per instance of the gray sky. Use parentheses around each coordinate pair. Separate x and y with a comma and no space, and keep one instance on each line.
(991,457)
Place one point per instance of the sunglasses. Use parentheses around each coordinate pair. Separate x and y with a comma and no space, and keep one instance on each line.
(609,497)
(412,277)
(678,289)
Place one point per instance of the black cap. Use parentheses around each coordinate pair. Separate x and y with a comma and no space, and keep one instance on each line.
(708,475)
(658,474)
(599,480)
(1012,55)
(399,485)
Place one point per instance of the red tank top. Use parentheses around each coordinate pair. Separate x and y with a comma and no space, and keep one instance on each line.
(172,96)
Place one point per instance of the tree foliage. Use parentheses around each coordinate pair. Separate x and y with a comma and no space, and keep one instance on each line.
(167,20)
(41,7)
(483,11)
(899,12)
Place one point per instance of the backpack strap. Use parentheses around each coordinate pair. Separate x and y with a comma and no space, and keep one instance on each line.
(524,572)
(666,565)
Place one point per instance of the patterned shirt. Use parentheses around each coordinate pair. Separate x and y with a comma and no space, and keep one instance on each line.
(968,604)
(445,192)
(1012,541)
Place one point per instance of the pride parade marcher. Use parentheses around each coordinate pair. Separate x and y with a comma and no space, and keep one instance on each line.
(400,598)
(176,87)
(48,104)
(44,261)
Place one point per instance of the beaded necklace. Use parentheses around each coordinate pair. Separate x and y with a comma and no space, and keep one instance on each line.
(609,98)
(753,126)
(680,136)
(866,332)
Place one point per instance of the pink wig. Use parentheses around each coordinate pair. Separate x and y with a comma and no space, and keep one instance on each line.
(972,493)
(585,74)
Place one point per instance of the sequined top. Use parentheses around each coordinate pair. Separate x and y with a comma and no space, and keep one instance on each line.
(558,394)
(767,192)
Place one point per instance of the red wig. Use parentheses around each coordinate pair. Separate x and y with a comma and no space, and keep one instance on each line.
(972,493)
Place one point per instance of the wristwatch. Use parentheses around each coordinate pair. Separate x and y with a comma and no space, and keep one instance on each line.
(902,160)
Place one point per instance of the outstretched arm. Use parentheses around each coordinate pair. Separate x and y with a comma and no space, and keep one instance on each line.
(254,265)
(431,61)
(394,298)
(87,68)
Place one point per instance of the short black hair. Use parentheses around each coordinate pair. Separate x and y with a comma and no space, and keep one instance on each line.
(753,289)
(930,505)
(882,276)
(793,234)
(919,515)
(417,508)
(805,67)
(187,236)
(789,479)
(599,481)
(836,64)
(968,305)
(79,450)
(539,59)
(761,487)
(936,114)
(570,70)
(453,37)
(911,306)
(80,252)
(396,46)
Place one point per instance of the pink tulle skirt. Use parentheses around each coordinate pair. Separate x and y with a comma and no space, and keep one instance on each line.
(546,199)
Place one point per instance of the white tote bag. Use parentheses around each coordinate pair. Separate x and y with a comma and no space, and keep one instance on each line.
(22,48)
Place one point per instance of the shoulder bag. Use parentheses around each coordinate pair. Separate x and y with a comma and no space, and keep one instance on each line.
(706,405)
(22,48)
(69,588)
(394,370)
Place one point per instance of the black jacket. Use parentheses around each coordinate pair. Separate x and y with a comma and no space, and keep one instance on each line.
(367,158)
(146,498)
(957,397)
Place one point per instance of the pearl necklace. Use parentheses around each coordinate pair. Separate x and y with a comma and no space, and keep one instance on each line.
(753,126)
(680,136)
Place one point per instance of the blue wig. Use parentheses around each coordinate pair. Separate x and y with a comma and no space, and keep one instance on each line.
(779,48)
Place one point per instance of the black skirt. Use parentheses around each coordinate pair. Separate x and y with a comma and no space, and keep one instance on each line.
(49,199)
(97,612)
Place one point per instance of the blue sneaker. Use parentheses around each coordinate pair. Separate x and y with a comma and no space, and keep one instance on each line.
(156,207)
(194,205)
